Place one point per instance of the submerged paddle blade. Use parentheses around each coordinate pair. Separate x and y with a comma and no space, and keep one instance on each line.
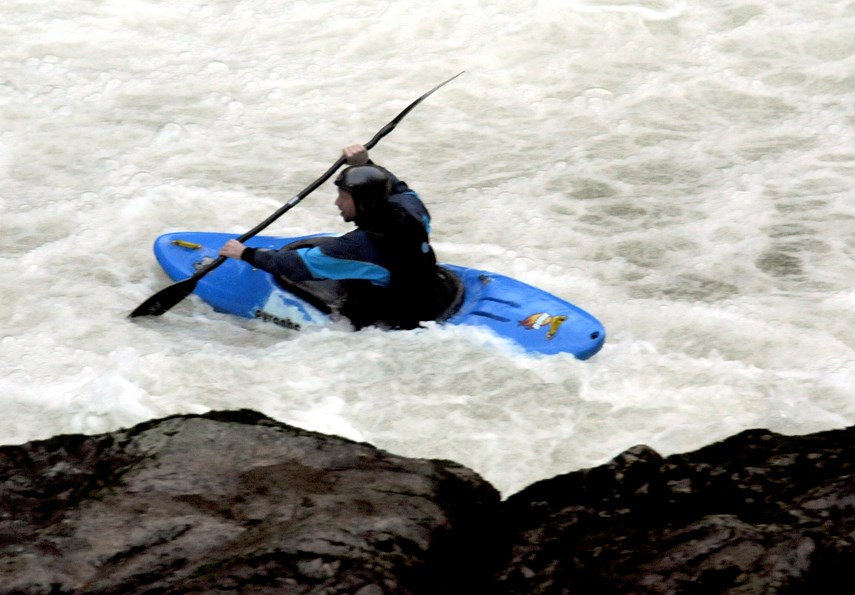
(164,299)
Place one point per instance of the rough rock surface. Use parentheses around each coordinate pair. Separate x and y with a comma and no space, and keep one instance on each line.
(759,513)
(235,502)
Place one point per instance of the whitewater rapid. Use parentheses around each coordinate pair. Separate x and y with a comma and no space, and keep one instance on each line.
(682,171)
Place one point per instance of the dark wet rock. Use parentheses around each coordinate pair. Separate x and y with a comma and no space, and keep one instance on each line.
(759,513)
(235,502)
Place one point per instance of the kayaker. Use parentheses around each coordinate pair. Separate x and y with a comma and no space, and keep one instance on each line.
(383,273)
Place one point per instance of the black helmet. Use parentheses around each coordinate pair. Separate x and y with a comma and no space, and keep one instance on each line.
(368,184)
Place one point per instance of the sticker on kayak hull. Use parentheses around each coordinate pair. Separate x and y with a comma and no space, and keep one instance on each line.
(285,310)
(283,322)
(541,320)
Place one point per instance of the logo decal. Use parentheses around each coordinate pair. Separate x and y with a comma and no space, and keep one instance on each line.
(542,319)
(283,322)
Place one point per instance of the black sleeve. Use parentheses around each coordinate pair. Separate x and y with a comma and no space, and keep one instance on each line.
(248,255)
(286,263)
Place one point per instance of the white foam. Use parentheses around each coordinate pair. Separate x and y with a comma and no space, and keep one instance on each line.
(684,172)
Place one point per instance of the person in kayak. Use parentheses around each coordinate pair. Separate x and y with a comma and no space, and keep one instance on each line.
(383,273)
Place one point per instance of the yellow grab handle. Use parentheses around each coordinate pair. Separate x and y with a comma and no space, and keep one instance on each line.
(183,244)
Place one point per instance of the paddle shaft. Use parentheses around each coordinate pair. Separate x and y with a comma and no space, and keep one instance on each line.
(276,215)
(164,300)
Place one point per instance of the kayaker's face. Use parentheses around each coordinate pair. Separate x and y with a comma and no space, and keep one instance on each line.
(345,205)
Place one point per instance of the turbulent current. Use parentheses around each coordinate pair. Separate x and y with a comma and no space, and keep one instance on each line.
(683,170)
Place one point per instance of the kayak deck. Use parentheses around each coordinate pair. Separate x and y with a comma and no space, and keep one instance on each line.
(534,319)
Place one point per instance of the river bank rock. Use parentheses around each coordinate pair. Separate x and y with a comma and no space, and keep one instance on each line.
(758,513)
(235,502)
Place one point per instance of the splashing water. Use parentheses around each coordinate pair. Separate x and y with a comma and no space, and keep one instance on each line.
(683,171)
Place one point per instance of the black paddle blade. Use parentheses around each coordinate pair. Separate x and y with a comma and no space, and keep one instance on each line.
(164,299)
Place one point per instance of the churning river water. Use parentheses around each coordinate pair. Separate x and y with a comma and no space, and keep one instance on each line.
(683,170)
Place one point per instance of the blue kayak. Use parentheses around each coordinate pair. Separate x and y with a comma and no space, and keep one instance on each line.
(537,321)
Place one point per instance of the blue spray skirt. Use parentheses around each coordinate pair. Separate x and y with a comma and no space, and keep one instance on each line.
(537,321)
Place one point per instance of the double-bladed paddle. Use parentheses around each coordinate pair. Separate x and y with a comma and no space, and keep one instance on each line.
(165,299)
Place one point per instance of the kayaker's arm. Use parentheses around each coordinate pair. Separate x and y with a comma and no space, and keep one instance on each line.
(305,264)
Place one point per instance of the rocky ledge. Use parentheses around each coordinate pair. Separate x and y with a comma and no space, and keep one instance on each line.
(235,502)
